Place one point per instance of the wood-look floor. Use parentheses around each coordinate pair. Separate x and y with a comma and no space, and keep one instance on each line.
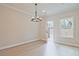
(40,48)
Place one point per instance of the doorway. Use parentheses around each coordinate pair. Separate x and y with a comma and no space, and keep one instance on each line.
(50,30)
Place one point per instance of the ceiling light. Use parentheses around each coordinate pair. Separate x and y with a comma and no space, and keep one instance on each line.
(36,18)
(43,11)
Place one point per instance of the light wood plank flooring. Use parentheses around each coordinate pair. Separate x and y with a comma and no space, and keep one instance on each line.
(40,48)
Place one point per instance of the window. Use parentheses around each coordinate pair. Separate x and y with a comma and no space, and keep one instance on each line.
(66,27)
(66,23)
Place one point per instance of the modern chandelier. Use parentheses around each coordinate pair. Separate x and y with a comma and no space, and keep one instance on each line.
(36,18)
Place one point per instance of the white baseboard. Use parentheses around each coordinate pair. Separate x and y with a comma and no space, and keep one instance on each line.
(68,44)
(17,44)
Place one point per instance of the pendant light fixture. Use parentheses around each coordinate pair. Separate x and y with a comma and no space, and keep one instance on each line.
(36,18)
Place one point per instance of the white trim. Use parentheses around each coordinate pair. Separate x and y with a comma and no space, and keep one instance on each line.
(17,44)
(68,44)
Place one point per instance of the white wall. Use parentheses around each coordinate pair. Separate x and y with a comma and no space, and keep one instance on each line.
(43,29)
(16,27)
(70,41)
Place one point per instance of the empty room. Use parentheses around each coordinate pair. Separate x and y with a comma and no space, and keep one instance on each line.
(39,29)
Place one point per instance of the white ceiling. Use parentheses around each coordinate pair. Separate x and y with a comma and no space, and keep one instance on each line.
(50,8)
